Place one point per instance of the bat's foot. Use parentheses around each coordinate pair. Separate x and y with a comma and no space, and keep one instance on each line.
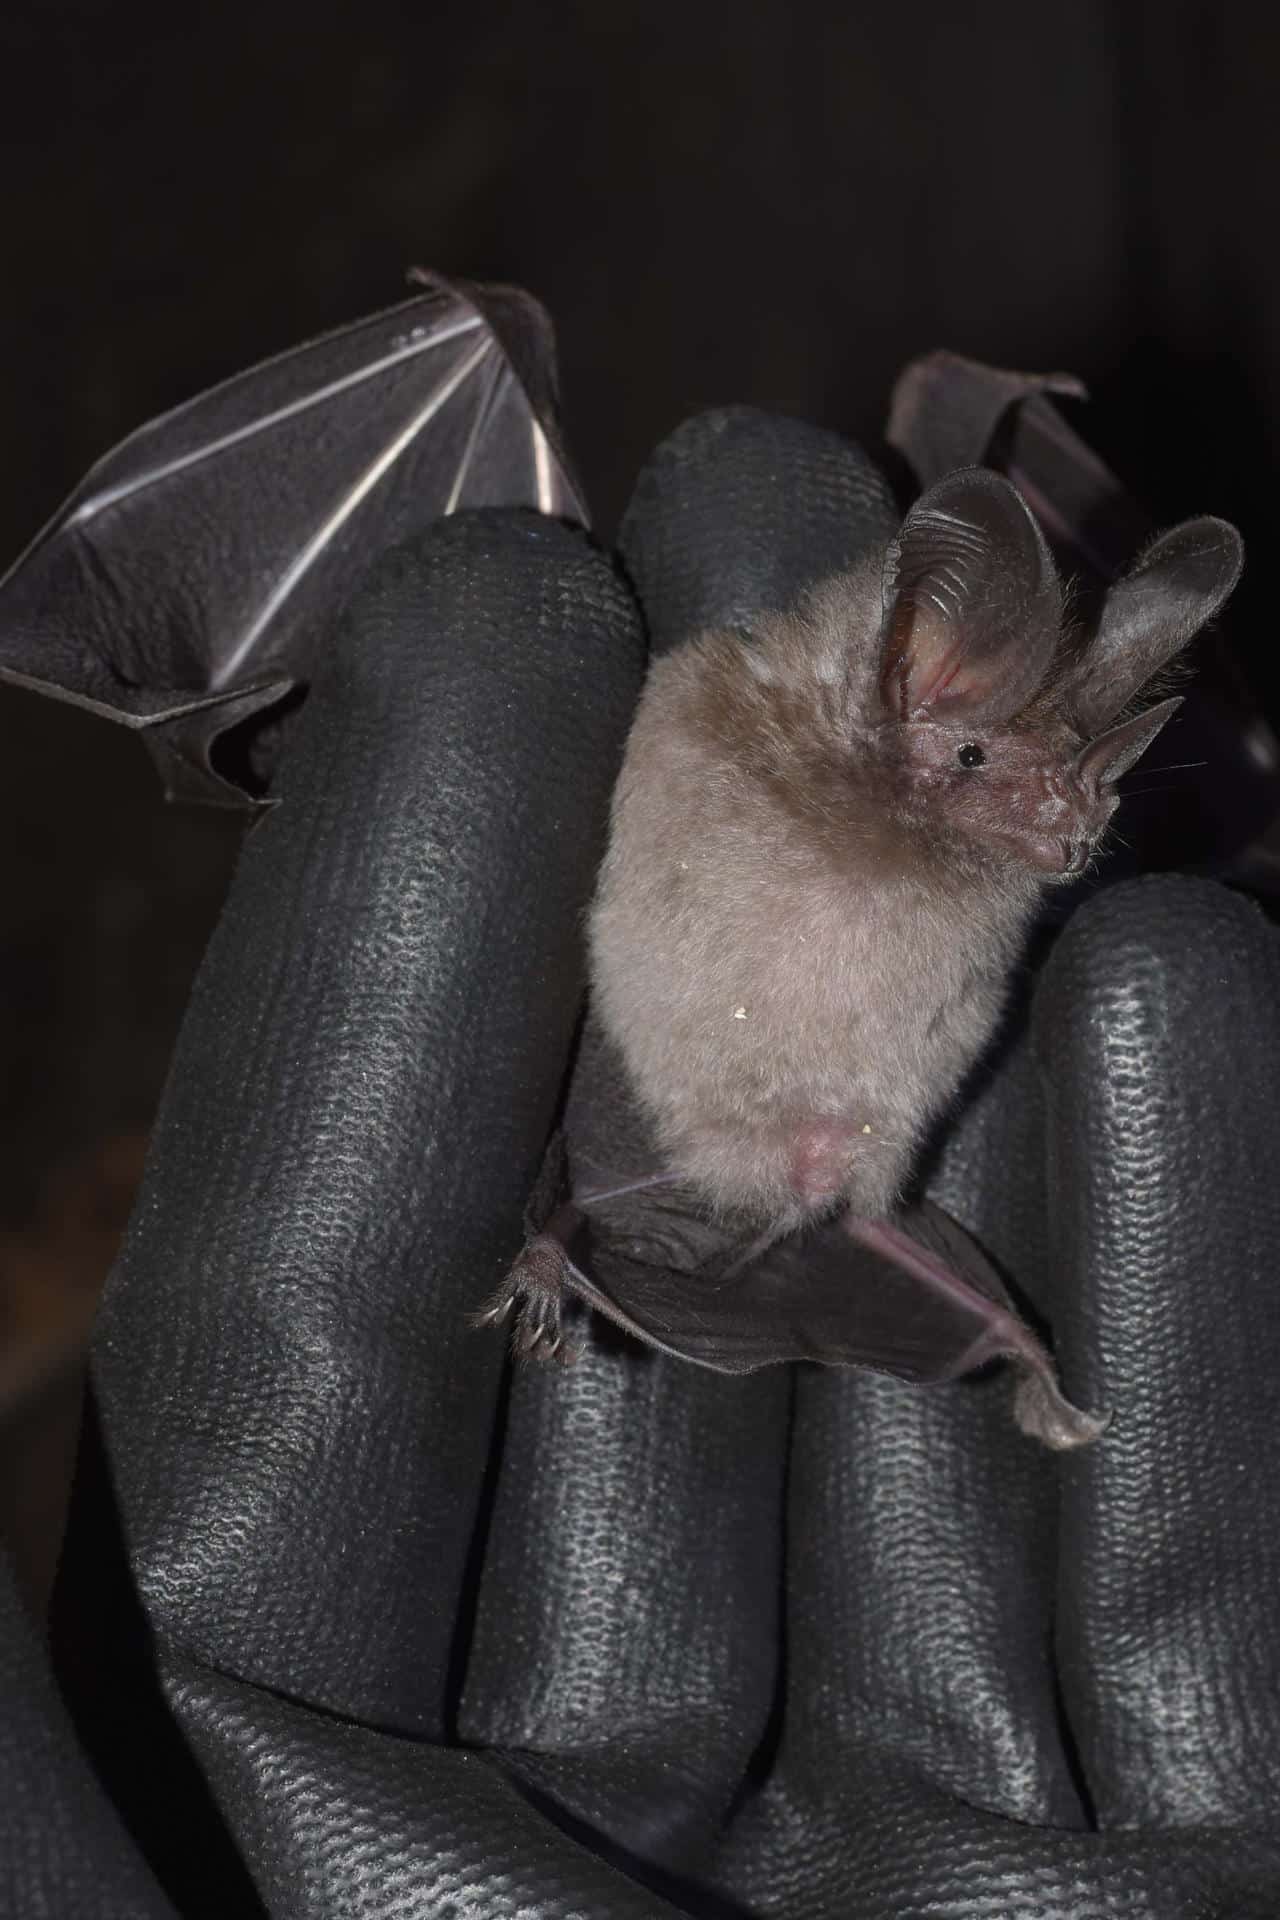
(533,1297)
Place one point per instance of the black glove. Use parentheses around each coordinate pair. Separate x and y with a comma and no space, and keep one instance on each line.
(630,1638)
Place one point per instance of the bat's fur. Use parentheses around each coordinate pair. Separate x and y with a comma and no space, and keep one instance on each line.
(810,908)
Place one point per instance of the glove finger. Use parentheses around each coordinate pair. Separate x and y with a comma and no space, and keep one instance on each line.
(923,1530)
(627,1641)
(297,1411)
(1157,1031)
(920,1527)
(627,1636)
(738,512)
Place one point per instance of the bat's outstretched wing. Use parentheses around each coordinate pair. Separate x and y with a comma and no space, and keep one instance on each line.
(181,586)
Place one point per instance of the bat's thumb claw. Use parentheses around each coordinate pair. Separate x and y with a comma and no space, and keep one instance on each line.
(1042,1410)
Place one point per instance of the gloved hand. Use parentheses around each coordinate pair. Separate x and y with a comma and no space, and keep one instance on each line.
(631,1638)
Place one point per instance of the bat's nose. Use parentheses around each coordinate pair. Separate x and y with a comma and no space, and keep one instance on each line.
(1063,802)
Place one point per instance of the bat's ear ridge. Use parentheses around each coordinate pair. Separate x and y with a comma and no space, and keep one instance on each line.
(972,605)
(1174,587)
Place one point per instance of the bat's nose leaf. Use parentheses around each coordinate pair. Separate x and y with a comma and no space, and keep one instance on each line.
(206,554)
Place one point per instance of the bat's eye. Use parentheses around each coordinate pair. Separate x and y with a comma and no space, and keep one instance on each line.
(971,755)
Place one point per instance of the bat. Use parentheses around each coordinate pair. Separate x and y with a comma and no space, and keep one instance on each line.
(830,837)
(181,588)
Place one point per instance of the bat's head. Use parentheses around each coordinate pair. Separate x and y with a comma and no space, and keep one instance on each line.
(1004,734)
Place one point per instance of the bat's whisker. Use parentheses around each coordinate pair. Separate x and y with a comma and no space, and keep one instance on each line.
(616,1193)
(1175,766)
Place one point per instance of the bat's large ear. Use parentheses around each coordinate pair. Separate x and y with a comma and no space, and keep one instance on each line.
(1168,594)
(972,606)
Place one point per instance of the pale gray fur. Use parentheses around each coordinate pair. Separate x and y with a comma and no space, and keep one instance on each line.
(772,941)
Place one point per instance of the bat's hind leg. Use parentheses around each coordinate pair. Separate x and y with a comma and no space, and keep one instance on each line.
(533,1297)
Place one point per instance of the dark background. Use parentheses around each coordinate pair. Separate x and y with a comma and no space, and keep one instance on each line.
(779,203)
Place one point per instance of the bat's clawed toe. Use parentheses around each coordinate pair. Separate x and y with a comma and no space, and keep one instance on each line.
(534,1293)
(493,1315)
